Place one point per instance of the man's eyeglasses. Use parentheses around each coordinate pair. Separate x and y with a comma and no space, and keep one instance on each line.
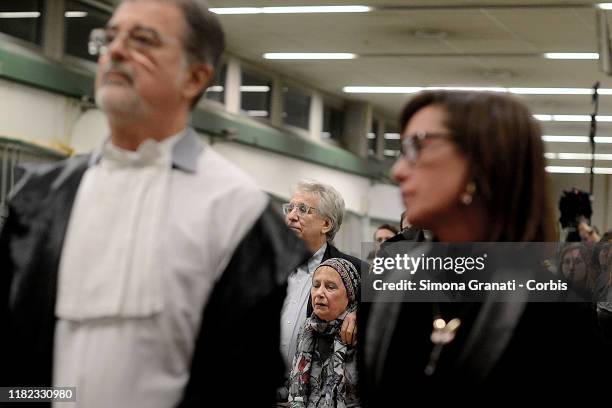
(412,145)
(139,39)
(301,208)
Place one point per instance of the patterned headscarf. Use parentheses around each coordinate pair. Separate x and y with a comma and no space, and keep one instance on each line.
(330,390)
(348,274)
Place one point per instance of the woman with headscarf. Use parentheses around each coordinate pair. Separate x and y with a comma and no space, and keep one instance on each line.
(324,373)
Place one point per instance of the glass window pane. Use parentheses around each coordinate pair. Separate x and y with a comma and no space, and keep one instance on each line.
(333,123)
(216,89)
(296,107)
(80,19)
(22,19)
(255,94)
(373,138)
(392,144)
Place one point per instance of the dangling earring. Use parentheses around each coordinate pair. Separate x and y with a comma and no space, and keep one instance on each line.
(468,195)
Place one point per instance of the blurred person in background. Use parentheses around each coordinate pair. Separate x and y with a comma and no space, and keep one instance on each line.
(603,257)
(383,233)
(577,268)
(588,233)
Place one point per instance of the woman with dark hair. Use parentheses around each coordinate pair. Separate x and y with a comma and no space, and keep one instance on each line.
(472,170)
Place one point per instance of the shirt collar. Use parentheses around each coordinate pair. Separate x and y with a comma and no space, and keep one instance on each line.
(317,258)
(185,151)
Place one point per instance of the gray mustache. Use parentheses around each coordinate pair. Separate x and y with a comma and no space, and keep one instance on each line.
(118,68)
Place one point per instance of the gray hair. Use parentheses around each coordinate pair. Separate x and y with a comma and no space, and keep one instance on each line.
(203,39)
(331,203)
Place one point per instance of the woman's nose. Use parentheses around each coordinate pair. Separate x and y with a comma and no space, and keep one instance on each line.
(400,169)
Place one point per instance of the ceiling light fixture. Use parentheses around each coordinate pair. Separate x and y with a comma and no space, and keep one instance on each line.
(243,88)
(552,91)
(290,10)
(517,91)
(566,169)
(578,170)
(577,156)
(70,14)
(570,118)
(309,55)
(604,6)
(20,14)
(575,139)
(572,55)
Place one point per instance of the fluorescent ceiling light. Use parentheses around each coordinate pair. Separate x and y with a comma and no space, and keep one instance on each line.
(577,156)
(542,117)
(566,169)
(605,6)
(565,139)
(392,136)
(383,89)
(371,135)
(572,55)
(518,91)
(415,89)
(254,88)
(243,88)
(575,139)
(317,9)
(291,10)
(562,118)
(236,10)
(466,88)
(552,91)
(215,88)
(309,55)
(571,118)
(578,170)
(70,14)
(20,14)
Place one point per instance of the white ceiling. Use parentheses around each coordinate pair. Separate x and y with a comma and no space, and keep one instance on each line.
(492,43)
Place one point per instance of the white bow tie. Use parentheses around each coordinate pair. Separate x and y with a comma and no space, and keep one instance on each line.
(149,153)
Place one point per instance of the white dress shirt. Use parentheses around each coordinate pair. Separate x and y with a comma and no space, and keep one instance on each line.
(296,303)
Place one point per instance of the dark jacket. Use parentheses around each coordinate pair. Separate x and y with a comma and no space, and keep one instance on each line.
(514,349)
(407,234)
(240,327)
(333,252)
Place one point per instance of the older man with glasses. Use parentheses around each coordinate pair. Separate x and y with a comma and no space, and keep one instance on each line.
(137,274)
(315,214)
